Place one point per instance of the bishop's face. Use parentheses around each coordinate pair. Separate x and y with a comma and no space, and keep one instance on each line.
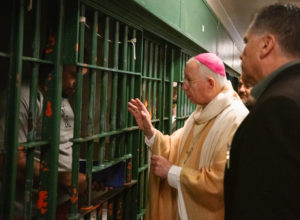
(195,86)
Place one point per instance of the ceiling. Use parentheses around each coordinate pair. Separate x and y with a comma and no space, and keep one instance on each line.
(236,15)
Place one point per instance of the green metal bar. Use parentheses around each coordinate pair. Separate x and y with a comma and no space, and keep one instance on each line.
(179,94)
(32,116)
(111,163)
(119,207)
(108,69)
(48,175)
(143,168)
(110,209)
(127,207)
(131,95)
(155,83)
(36,60)
(104,85)
(12,116)
(183,60)
(100,212)
(114,92)
(30,59)
(141,214)
(151,78)
(134,202)
(124,95)
(164,76)
(137,133)
(171,77)
(161,89)
(91,110)
(145,173)
(185,97)
(142,144)
(145,69)
(104,134)
(27,145)
(6,55)
(77,119)
(150,73)
(148,68)
(141,190)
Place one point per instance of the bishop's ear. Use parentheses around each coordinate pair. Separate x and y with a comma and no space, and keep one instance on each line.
(211,82)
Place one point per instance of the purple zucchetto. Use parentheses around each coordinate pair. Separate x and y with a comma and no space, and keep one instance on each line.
(213,62)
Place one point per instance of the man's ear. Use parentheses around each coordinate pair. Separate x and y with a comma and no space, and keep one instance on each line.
(267,45)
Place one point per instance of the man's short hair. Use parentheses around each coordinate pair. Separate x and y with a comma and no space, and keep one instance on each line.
(282,20)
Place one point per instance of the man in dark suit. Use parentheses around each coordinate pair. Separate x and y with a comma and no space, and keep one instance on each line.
(262,178)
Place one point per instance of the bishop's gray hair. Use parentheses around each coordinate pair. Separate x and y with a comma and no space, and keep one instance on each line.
(205,72)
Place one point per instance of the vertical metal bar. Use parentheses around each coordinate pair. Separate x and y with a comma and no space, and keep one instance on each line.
(119,207)
(145,69)
(145,97)
(185,97)
(32,115)
(131,95)
(104,85)
(100,212)
(171,91)
(161,89)
(179,92)
(12,116)
(128,205)
(124,95)
(92,96)
(114,92)
(110,210)
(141,189)
(164,85)
(136,134)
(77,121)
(150,80)
(49,155)
(155,82)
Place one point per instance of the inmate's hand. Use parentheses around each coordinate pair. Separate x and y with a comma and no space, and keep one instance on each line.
(65,179)
(142,116)
(160,166)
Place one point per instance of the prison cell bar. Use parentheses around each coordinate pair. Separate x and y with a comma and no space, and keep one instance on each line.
(32,115)
(49,154)
(77,118)
(12,116)
(91,107)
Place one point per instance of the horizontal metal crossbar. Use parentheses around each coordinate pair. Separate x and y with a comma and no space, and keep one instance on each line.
(107,69)
(111,163)
(104,134)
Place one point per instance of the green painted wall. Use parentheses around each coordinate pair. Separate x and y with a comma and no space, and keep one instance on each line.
(168,11)
(195,20)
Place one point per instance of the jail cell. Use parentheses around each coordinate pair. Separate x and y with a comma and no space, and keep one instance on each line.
(123,61)
(105,135)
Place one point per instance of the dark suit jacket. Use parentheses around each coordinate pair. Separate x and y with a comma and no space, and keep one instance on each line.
(263,180)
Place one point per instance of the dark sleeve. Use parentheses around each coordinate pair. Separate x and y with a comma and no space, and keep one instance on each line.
(266,163)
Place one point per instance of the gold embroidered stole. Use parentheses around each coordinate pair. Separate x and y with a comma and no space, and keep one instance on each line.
(190,154)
